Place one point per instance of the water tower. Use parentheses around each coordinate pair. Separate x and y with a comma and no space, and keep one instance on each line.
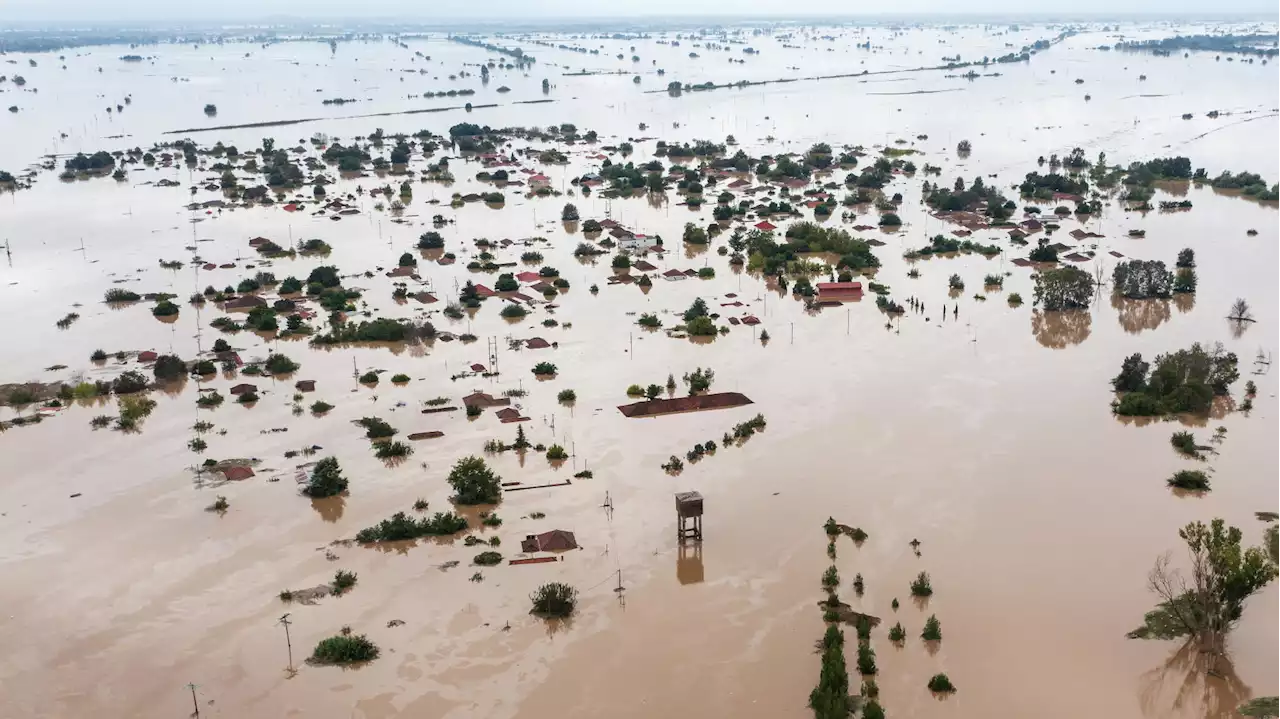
(689,513)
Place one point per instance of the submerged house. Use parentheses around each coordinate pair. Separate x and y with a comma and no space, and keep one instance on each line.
(556,540)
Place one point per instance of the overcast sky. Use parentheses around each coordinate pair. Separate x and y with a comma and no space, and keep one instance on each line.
(71,11)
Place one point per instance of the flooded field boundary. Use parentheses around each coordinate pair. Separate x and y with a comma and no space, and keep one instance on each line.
(301,120)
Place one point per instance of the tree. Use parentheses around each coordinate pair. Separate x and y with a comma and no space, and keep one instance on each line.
(1187,257)
(1044,252)
(430,240)
(474,482)
(1133,374)
(1185,281)
(699,380)
(654,182)
(1064,288)
(653,391)
(694,235)
(169,367)
(326,479)
(1206,607)
(1142,279)
(1240,311)
(964,147)
(697,309)
(569,213)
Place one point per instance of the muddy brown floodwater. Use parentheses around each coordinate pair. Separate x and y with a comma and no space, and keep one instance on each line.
(988,437)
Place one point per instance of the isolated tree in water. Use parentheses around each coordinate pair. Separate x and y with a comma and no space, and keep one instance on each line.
(1205,607)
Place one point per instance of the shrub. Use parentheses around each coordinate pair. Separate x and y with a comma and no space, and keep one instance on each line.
(204,367)
(169,367)
(98,356)
(636,390)
(993,281)
(621,262)
(674,464)
(955,283)
(941,684)
(1192,479)
(858,586)
(343,580)
(648,319)
(1185,442)
(370,377)
(430,240)
(920,586)
(932,629)
(544,368)
(389,450)
(831,578)
(699,380)
(344,649)
(164,308)
(119,294)
(556,452)
(400,526)
(376,428)
(129,382)
(400,378)
(326,479)
(209,399)
(474,483)
(487,559)
(554,600)
(1015,299)
(566,395)
(890,219)
(513,311)
(897,633)
(280,364)
(569,213)
(320,407)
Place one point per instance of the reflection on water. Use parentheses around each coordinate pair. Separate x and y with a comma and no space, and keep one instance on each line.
(1138,315)
(1190,678)
(329,508)
(689,568)
(1184,301)
(1058,330)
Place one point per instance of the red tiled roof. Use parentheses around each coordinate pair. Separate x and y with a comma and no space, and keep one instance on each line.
(839,286)
(766,226)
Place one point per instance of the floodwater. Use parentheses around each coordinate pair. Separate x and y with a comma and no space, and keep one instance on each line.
(988,437)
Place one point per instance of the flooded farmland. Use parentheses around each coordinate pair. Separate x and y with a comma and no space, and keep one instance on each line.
(979,427)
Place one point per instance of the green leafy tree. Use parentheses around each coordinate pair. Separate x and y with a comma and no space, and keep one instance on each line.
(326,479)
(474,483)
(1064,288)
(1204,607)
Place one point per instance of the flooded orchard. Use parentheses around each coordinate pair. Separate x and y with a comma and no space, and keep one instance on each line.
(969,435)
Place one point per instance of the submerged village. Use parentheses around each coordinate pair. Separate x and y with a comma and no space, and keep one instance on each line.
(771,369)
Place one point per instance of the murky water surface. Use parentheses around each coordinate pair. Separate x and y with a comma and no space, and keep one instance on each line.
(988,437)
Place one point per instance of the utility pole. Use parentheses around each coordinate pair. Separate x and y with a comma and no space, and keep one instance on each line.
(284,621)
(195,705)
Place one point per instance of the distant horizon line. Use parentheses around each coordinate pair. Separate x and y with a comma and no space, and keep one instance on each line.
(668,20)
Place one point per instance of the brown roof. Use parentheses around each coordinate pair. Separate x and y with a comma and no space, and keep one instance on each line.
(147,356)
(245,302)
(537,343)
(305,385)
(425,298)
(483,399)
(237,473)
(244,389)
(556,540)
(643,266)
(477,367)
(839,286)
(405,271)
